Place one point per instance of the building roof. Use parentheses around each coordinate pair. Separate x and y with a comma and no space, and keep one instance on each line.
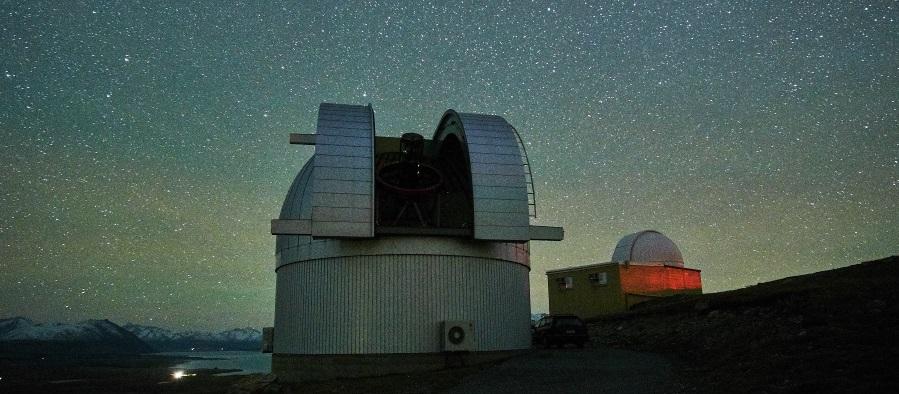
(648,247)
(606,264)
(579,267)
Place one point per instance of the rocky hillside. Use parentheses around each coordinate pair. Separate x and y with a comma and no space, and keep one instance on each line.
(831,331)
(19,335)
(163,339)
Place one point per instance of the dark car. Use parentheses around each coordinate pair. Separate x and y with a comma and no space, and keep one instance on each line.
(560,330)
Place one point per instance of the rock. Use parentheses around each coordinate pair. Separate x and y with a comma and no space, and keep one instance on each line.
(876,306)
(701,306)
(269,378)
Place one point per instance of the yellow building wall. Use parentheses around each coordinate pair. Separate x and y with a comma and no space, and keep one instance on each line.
(586,299)
(634,299)
(627,285)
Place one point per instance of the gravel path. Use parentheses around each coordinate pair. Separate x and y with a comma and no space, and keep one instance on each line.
(592,370)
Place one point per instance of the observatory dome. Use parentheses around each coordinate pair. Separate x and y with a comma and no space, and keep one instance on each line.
(383,241)
(648,247)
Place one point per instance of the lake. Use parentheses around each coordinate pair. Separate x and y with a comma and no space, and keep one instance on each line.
(246,361)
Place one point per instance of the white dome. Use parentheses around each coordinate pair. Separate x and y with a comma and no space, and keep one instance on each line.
(647,247)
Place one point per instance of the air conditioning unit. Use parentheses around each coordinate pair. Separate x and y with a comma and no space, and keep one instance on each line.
(457,336)
(600,278)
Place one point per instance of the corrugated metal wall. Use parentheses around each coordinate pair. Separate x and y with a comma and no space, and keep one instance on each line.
(299,248)
(394,304)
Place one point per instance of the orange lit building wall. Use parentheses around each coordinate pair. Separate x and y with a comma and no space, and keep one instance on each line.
(659,280)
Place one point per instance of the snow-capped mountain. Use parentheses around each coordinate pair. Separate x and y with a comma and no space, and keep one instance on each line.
(19,334)
(99,336)
(168,340)
(150,333)
(15,323)
(90,330)
(242,335)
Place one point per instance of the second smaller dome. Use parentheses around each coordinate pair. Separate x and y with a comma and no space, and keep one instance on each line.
(647,247)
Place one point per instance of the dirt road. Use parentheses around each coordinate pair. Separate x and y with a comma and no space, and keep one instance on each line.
(592,370)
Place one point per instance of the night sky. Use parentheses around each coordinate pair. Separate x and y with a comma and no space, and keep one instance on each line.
(145,144)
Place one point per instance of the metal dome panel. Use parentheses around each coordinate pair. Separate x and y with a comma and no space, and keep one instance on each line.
(297,207)
(342,188)
(298,203)
(647,248)
(499,187)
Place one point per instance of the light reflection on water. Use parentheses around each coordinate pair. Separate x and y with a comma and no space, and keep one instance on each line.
(247,362)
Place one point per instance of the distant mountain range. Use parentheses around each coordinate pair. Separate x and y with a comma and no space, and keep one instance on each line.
(21,335)
(167,340)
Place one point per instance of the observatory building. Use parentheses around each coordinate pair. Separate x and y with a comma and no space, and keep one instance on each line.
(396,254)
(645,265)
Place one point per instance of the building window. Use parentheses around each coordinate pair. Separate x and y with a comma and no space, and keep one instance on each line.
(599,278)
(565,282)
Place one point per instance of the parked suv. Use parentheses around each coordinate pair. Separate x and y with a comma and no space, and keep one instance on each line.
(560,330)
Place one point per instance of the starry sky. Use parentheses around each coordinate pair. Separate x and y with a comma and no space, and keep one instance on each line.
(144,143)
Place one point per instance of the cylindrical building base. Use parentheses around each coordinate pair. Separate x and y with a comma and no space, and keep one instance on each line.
(386,304)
